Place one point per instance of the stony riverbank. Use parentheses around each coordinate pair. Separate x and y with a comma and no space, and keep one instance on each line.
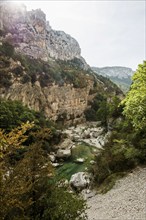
(126,201)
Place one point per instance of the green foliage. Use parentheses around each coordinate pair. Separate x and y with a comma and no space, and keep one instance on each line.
(124,150)
(13,113)
(27,192)
(6,49)
(46,73)
(96,104)
(5,80)
(135,101)
(59,204)
(126,147)
(103,108)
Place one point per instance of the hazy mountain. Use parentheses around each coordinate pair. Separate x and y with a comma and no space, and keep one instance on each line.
(119,75)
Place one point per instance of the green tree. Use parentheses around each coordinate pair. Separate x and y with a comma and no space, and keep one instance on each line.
(135,101)
(27,191)
(13,114)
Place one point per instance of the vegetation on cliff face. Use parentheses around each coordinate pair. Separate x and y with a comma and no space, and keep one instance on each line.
(13,114)
(32,70)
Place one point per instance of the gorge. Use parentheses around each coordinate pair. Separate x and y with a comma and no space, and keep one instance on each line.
(68,134)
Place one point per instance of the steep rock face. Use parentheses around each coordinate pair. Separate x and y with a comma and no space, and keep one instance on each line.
(66,102)
(55,101)
(31,34)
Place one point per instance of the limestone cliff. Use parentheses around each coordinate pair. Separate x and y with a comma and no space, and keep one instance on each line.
(32,35)
(62,94)
(43,68)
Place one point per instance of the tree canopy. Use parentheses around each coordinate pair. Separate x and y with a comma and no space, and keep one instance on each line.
(28,189)
(135,101)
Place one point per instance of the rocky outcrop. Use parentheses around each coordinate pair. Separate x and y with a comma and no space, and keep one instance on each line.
(64,103)
(31,34)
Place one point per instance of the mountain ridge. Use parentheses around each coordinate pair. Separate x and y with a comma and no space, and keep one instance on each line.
(118,74)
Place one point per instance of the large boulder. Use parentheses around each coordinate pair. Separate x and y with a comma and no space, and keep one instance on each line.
(63,154)
(80,181)
(52,158)
(86,134)
(66,144)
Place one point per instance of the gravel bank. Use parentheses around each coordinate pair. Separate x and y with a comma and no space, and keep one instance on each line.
(126,201)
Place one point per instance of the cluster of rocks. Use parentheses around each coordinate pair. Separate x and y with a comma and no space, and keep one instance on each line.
(62,153)
(75,135)
(92,134)
(79,180)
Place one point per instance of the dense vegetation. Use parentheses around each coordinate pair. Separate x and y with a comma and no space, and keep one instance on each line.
(126,147)
(103,109)
(28,187)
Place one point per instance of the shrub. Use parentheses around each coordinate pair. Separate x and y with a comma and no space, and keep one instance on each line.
(124,150)
(6,49)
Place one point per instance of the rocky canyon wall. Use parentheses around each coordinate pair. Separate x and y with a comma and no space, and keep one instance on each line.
(31,34)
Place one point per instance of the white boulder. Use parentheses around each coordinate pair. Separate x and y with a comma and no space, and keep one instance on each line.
(52,158)
(80,180)
(63,153)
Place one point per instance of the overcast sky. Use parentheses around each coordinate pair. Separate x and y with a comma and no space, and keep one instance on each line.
(110,33)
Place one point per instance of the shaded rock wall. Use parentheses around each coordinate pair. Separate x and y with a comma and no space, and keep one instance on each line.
(55,101)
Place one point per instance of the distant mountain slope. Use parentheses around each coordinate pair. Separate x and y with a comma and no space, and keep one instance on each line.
(119,75)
